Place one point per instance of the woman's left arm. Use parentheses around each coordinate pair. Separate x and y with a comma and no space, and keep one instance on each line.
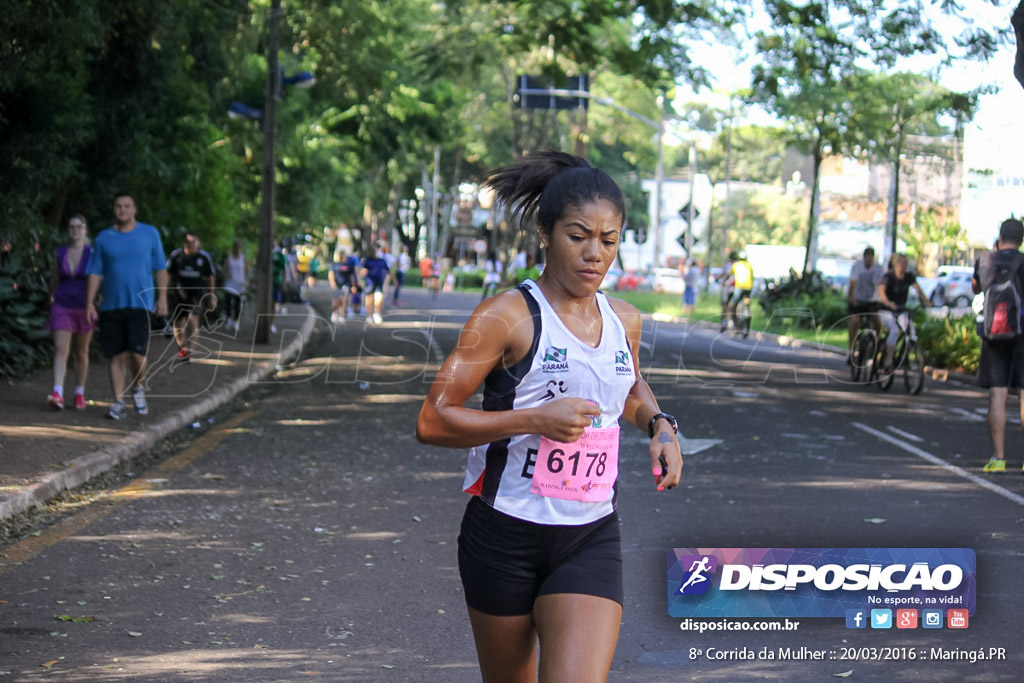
(641,406)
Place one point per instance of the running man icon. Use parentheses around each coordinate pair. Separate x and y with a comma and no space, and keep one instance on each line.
(697,570)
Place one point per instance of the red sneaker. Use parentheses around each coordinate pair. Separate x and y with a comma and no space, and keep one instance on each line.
(183,355)
(55,401)
(79,402)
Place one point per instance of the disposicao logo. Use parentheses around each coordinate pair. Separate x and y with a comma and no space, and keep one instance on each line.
(819,582)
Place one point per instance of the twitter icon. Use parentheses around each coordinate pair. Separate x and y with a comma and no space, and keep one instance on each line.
(881,618)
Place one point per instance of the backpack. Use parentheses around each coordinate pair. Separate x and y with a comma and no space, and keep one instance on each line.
(1002,296)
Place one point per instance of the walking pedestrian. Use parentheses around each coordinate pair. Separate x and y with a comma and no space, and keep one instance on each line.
(127,262)
(236,279)
(428,272)
(342,276)
(192,280)
(402,264)
(539,549)
(375,272)
(691,280)
(492,275)
(68,320)
(1001,365)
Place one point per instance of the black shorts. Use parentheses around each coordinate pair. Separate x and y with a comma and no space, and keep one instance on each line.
(184,305)
(506,563)
(373,286)
(1001,363)
(863,307)
(124,329)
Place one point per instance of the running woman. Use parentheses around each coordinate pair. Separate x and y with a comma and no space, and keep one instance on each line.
(539,548)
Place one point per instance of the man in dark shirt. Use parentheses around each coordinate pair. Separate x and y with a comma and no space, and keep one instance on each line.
(192,282)
(1002,361)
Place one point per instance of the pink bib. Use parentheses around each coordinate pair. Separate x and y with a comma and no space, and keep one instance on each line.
(584,470)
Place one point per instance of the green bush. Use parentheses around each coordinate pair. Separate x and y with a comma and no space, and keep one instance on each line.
(950,343)
(25,344)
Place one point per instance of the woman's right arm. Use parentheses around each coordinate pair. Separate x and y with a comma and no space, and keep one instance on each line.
(499,328)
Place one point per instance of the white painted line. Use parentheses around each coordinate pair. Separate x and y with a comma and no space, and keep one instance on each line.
(968,415)
(953,469)
(905,435)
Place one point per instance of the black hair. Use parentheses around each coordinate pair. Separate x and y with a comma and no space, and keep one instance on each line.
(1012,231)
(124,193)
(870,251)
(543,185)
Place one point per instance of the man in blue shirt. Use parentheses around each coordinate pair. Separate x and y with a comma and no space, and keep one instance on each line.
(126,258)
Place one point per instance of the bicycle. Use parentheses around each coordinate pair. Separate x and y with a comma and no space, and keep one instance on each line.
(862,352)
(907,358)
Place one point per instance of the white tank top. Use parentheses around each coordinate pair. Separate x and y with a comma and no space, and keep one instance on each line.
(234,277)
(559,365)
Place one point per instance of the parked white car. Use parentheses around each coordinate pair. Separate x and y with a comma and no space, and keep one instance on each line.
(955,282)
(665,281)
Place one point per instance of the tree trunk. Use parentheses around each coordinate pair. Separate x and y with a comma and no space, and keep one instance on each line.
(811,257)
(894,205)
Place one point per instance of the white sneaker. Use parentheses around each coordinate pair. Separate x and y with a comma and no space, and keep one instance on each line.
(273,329)
(334,318)
(377,319)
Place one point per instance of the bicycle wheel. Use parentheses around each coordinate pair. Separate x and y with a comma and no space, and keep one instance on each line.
(913,367)
(863,353)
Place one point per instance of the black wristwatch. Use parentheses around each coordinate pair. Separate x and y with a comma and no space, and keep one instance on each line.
(662,416)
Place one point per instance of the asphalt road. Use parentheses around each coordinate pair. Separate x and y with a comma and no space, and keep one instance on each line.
(308,535)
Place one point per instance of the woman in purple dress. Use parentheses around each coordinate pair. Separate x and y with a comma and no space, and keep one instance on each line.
(67,314)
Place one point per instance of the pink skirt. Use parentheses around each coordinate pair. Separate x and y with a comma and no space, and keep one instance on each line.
(70,319)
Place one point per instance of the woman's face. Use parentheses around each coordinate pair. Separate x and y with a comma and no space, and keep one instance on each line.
(76,229)
(899,266)
(582,246)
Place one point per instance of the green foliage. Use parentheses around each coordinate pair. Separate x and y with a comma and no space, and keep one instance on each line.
(950,343)
(806,300)
(24,306)
(766,216)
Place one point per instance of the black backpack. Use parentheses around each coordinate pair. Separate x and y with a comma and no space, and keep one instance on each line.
(1002,295)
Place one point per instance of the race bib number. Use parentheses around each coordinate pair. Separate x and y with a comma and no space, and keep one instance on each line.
(584,470)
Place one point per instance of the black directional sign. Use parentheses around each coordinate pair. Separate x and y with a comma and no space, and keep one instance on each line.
(684,212)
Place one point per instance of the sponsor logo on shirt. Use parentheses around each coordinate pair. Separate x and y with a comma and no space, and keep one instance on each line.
(622,364)
(555,360)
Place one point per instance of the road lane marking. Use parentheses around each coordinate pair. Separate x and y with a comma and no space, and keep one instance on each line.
(967,415)
(26,549)
(935,460)
(905,435)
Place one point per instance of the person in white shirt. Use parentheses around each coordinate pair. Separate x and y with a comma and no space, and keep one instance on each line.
(862,296)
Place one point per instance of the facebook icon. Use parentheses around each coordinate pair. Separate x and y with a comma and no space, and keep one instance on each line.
(856,618)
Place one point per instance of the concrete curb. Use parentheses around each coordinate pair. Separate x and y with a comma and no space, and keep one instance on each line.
(85,467)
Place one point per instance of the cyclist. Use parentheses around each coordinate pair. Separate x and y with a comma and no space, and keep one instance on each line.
(893,290)
(743,283)
(863,294)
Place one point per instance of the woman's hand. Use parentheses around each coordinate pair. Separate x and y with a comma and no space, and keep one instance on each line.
(665,449)
(565,419)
